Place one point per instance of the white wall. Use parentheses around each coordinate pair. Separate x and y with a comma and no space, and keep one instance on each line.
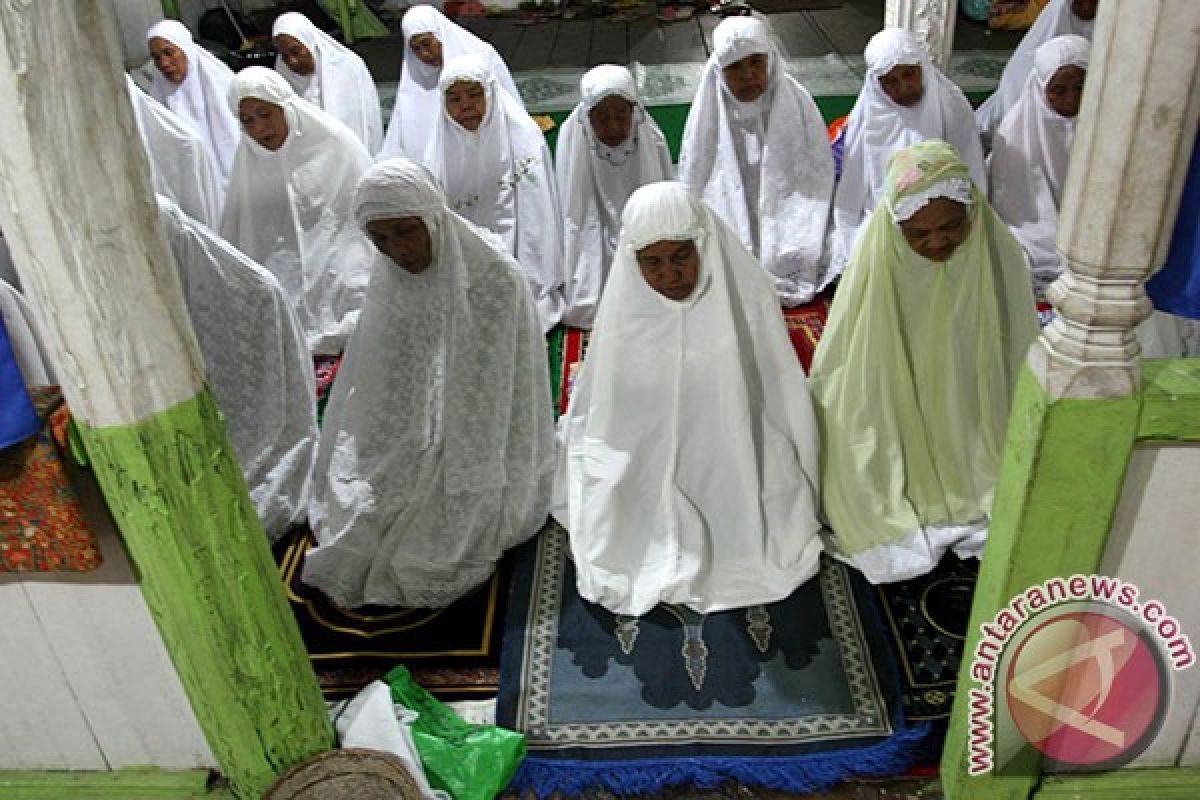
(1155,544)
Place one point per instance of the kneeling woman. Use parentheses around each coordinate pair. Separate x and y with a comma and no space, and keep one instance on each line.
(437,451)
(689,468)
(913,375)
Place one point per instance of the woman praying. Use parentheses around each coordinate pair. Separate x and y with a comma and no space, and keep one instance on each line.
(689,457)
(437,452)
(914,372)
(491,159)
(430,41)
(905,99)
(607,147)
(1027,167)
(290,204)
(194,84)
(329,75)
(755,148)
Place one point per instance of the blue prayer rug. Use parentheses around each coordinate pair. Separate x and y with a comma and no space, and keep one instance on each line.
(793,696)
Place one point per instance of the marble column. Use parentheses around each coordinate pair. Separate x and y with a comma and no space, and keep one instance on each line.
(931,20)
(1136,130)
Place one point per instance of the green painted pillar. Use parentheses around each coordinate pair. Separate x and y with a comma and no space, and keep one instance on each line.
(171,9)
(94,264)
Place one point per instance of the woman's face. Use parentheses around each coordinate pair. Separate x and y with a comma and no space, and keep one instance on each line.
(670,267)
(904,84)
(299,59)
(612,120)
(405,240)
(1064,90)
(747,79)
(466,103)
(937,230)
(263,122)
(170,59)
(427,48)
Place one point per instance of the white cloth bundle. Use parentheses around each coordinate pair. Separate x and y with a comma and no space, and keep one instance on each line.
(201,98)
(179,162)
(1056,19)
(688,472)
(257,363)
(342,85)
(291,210)
(437,452)
(418,105)
(878,127)
(595,180)
(765,167)
(500,176)
(1027,168)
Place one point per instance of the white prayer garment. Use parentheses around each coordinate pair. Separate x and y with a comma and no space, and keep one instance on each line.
(1027,168)
(341,84)
(437,451)
(257,363)
(878,126)
(418,105)
(500,177)
(179,162)
(764,166)
(595,180)
(1056,19)
(688,471)
(200,99)
(290,209)
(25,337)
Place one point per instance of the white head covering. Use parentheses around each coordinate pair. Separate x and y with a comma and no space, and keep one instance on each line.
(765,167)
(179,162)
(500,177)
(1030,152)
(595,180)
(689,466)
(1056,19)
(290,210)
(418,103)
(437,451)
(258,366)
(342,85)
(200,98)
(878,127)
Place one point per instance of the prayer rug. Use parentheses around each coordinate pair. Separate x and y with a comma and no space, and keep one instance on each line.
(42,523)
(454,652)
(927,618)
(805,324)
(793,696)
(325,369)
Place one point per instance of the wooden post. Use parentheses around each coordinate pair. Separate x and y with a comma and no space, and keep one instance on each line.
(82,223)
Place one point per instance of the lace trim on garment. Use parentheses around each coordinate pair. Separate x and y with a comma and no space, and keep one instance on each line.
(958,189)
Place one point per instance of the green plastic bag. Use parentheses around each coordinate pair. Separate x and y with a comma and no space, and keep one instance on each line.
(471,762)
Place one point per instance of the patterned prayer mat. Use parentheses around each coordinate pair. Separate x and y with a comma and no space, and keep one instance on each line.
(42,523)
(794,696)
(927,618)
(453,652)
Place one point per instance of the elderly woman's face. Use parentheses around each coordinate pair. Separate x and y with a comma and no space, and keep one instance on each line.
(937,230)
(466,103)
(671,268)
(299,59)
(612,120)
(169,58)
(747,79)
(1064,90)
(263,122)
(904,84)
(427,48)
(405,240)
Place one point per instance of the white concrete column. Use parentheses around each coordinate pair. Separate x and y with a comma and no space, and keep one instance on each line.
(931,20)
(1130,156)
